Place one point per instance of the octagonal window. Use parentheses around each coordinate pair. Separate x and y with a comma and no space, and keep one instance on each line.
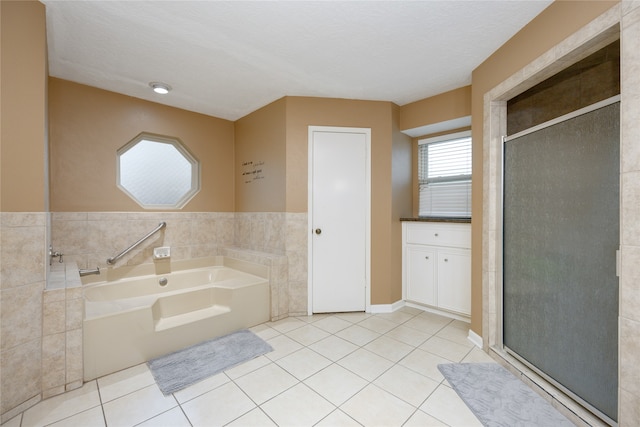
(158,172)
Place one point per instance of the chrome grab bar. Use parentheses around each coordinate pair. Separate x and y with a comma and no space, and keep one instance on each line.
(113,260)
(86,272)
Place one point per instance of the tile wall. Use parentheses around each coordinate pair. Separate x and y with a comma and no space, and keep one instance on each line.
(22,281)
(41,326)
(62,314)
(629,326)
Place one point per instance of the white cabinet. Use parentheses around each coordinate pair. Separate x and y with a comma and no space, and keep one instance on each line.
(437,265)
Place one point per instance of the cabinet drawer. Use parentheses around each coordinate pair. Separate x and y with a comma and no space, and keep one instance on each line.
(455,235)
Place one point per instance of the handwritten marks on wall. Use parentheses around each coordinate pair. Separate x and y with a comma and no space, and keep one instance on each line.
(252,171)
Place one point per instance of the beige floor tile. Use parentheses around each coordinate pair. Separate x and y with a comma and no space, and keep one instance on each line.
(411,310)
(336,384)
(287,324)
(307,335)
(264,331)
(172,418)
(428,323)
(314,318)
(476,355)
(332,324)
(461,325)
(353,317)
(408,335)
(303,363)
(389,348)
(377,324)
(248,366)
(333,348)
(124,382)
(445,405)
(307,319)
(338,419)
(396,316)
(436,318)
(420,419)
(366,364)
(266,382)
(253,418)
(137,407)
(406,384)
(453,332)
(376,407)
(424,363)
(298,406)
(62,406)
(282,346)
(218,407)
(201,387)
(445,348)
(90,418)
(358,335)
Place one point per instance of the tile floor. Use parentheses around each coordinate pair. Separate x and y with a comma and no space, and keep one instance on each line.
(347,369)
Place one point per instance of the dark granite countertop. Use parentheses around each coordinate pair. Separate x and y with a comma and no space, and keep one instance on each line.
(437,219)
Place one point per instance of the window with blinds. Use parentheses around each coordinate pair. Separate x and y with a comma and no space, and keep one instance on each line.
(444,175)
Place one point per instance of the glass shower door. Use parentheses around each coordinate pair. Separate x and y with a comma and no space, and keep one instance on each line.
(561,234)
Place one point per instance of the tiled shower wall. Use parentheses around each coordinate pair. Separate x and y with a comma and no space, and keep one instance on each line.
(40,331)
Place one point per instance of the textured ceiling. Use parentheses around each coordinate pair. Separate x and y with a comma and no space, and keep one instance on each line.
(229,58)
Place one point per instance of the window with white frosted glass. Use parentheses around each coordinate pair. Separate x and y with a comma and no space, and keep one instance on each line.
(444,176)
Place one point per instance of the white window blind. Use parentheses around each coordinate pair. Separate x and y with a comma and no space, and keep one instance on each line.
(444,174)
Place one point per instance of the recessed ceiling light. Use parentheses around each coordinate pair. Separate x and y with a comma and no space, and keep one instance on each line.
(161,88)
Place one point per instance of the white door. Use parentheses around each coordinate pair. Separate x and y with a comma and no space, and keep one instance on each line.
(339,218)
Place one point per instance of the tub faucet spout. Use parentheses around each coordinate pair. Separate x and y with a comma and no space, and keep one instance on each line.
(86,272)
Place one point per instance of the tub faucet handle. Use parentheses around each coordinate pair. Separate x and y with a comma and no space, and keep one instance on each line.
(54,254)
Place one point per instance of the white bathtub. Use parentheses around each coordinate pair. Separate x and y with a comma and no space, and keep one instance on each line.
(129,320)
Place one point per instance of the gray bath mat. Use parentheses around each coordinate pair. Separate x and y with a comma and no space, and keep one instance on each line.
(498,398)
(178,370)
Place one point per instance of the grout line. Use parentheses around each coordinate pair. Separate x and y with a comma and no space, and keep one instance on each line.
(104,416)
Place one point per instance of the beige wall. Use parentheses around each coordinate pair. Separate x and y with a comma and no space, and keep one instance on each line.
(554,24)
(86,127)
(260,160)
(401,195)
(443,107)
(24,78)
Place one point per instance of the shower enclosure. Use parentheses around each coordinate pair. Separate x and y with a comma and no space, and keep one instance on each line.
(561,236)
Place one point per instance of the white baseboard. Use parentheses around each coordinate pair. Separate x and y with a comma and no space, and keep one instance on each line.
(385,308)
(439,312)
(475,339)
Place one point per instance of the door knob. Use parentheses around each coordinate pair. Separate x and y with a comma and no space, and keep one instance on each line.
(318,231)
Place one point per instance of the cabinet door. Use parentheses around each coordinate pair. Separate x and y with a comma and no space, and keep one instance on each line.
(454,280)
(420,265)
